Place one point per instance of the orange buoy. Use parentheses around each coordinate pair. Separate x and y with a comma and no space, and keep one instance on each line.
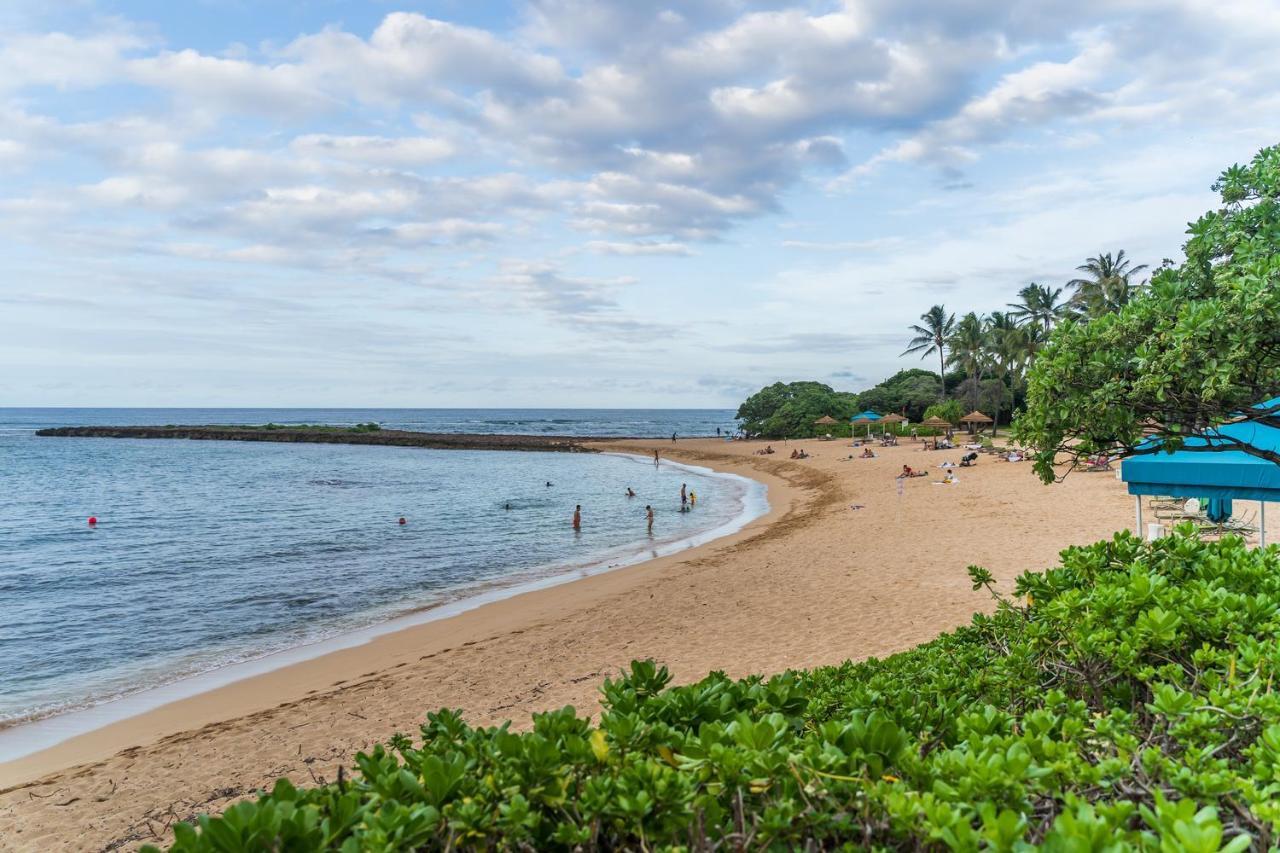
(402,521)
(93,520)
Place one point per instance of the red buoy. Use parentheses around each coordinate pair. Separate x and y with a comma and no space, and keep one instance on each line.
(402,521)
(93,520)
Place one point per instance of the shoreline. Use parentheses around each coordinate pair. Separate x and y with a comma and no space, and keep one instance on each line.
(843,567)
(29,737)
(95,732)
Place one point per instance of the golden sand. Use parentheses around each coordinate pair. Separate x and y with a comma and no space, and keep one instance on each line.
(813,582)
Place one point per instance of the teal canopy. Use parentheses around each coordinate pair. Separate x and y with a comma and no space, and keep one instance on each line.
(1211,473)
(868,414)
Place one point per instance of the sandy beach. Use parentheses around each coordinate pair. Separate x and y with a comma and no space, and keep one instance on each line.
(813,582)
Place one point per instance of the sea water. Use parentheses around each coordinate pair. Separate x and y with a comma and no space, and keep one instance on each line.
(211,553)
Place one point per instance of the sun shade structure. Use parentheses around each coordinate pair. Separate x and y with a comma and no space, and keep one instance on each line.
(936,421)
(868,414)
(1222,474)
(975,417)
(893,419)
(826,420)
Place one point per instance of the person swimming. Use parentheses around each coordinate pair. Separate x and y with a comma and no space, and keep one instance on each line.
(508,506)
(630,492)
(548,484)
(648,512)
(577,517)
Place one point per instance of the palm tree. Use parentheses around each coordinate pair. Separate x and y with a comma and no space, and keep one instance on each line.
(968,345)
(1039,304)
(932,337)
(1107,287)
(1006,345)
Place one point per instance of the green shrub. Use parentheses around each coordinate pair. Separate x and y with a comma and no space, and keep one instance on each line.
(1124,700)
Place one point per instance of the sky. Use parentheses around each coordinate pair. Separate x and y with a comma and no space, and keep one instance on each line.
(566,203)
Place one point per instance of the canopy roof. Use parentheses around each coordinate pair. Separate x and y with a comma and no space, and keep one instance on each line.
(858,421)
(975,417)
(868,414)
(894,419)
(1211,473)
(936,421)
(826,420)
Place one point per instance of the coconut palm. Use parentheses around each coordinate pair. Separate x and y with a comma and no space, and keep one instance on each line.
(932,337)
(1039,304)
(968,345)
(1006,351)
(1107,286)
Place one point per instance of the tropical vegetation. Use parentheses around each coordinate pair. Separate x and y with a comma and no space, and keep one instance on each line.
(1125,700)
(1198,347)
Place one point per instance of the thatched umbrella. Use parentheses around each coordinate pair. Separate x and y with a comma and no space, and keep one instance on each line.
(976,418)
(863,421)
(936,423)
(891,419)
(826,420)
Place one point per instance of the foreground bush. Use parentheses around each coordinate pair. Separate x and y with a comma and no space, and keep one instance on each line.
(1129,704)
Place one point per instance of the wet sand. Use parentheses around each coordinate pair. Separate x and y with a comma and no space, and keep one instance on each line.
(813,582)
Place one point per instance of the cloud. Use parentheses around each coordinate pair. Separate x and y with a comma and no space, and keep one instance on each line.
(604,247)
(374,150)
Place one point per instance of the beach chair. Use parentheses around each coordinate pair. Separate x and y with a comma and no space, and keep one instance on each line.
(1188,511)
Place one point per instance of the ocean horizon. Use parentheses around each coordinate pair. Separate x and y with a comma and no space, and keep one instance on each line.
(211,554)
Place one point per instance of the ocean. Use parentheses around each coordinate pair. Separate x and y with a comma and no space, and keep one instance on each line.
(211,554)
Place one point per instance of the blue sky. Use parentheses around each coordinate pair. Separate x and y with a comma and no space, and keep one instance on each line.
(569,203)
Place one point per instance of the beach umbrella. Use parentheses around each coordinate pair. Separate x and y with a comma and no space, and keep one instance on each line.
(863,421)
(826,420)
(976,417)
(936,422)
(892,419)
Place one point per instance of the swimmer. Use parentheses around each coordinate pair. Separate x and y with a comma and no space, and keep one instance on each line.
(548,484)
(648,512)
(693,498)
(630,492)
(508,506)
(684,496)
(577,517)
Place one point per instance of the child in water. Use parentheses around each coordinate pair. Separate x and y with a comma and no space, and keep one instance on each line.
(693,498)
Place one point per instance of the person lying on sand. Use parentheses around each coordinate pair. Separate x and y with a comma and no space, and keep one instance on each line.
(867,453)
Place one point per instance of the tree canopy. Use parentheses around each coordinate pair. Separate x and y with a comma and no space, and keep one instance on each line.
(783,410)
(908,392)
(1198,347)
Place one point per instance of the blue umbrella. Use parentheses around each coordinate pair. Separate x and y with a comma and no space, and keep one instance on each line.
(1219,510)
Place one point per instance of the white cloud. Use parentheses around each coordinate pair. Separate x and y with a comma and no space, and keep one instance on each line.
(375,150)
(605,247)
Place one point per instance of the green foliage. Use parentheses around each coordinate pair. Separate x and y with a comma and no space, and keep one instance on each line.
(1199,345)
(1127,703)
(788,410)
(950,411)
(908,392)
(369,427)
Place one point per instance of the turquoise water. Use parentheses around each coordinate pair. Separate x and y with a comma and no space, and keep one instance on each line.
(212,553)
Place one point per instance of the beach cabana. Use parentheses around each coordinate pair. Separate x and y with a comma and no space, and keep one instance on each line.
(976,418)
(1221,475)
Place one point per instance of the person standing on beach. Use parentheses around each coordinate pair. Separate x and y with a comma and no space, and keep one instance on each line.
(648,513)
(684,496)
(655,459)
(673,438)
(577,517)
